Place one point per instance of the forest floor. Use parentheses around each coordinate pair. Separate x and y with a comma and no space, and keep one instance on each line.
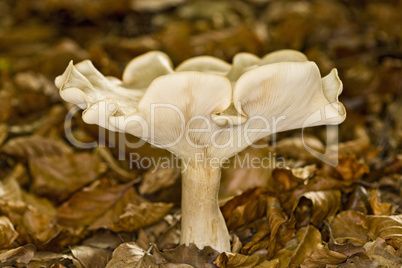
(62,206)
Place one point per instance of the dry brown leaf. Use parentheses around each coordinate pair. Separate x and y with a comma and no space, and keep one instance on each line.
(325,204)
(385,255)
(33,217)
(130,255)
(7,232)
(35,146)
(100,204)
(139,216)
(347,249)
(350,226)
(244,208)
(51,259)
(386,227)
(322,257)
(276,217)
(114,207)
(226,260)
(32,225)
(155,180)
(56,177)
(259,240)
(20,255)
(306,241)
(379,208)
(350,169)
(357,262)
(9,187)
(283,179)
(200,258)
(91,257)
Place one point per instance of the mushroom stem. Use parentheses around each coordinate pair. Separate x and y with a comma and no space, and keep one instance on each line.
(202,221)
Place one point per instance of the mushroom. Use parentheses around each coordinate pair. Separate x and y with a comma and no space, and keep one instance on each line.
(205,112)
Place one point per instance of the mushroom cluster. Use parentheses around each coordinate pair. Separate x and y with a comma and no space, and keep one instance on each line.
(205,111)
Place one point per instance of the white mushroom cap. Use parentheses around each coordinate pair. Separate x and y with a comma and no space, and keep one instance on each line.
(206,105)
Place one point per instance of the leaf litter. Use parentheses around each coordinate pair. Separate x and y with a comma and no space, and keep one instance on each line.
(61,206)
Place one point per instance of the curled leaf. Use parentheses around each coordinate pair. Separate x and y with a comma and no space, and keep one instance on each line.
(325,204)
(226,260)
(379,208)
(306,241)
(7,232)
(20,255)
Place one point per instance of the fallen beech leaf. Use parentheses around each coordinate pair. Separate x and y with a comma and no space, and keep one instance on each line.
(20,255)
(9,187)
(200,258)
(155,180)
(117,208)
(7,232)
(129,255)
(357,262)
(226,260)
(386,227)
(283,179)
(378,207)
(346,249)
(100,204)
(350,169)
(325,205)
(32,217)
(35,146)
(244,208)
(350,226)
(322,257)
(306,241)
(32,225)
(276,217)
(51,259)
(56,177)
(385,255)
(91,257)
(259,240)
(139,216)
